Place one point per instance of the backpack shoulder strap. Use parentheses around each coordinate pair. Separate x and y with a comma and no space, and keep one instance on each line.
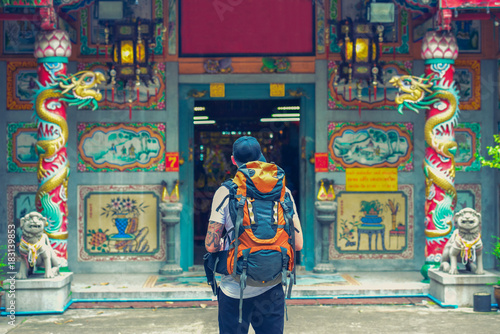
(236,243)
(233,188)
(288,217)
(237,226)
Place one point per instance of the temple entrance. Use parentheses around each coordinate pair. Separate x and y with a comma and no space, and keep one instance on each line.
(217,124)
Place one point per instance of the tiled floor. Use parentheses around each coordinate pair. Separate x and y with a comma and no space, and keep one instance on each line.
(191,285)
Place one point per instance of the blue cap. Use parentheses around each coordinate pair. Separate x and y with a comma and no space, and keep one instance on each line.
(246,149)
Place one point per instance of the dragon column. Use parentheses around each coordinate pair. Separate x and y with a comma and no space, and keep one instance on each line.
(436,93)
(56,91)
(52,50)
(440,50)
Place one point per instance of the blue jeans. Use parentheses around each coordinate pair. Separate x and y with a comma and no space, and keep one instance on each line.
(265,312)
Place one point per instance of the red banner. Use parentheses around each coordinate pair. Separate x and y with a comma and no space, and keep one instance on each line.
(466,4)
(246,27)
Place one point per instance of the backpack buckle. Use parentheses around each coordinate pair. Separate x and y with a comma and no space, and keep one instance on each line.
(243,285)
(244,263)
(292,280)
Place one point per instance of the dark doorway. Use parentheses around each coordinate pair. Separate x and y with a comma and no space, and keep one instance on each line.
(275,124)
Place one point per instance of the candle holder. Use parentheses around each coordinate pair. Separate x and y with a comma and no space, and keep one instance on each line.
(170,216)
(326,212)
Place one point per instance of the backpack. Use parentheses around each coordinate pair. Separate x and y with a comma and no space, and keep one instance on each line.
(262,248)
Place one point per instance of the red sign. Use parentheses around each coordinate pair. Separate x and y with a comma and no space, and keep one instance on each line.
(172,162)
(465,4)
(321,162)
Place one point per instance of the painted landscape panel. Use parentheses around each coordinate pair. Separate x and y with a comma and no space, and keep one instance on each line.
(21,147)
(132,147)
(21,84)
(468,196)
(20,201)
(468,138)
(370,145)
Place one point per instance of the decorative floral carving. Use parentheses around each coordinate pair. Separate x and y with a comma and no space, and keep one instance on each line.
(123,206)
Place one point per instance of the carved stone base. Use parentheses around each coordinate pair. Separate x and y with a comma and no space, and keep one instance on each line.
(40,294)
(459,289)
(170,269)
(324,268)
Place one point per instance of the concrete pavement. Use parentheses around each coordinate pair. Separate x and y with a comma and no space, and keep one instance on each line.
(424,317)
(352,302)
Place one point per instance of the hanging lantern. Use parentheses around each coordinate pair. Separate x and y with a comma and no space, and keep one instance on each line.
(359,43)
(131,40)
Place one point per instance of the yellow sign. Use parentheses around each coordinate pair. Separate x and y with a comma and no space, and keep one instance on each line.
(217,90)
(371,179)
(277,90)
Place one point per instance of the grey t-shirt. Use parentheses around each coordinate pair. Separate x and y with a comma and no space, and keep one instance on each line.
(229,286)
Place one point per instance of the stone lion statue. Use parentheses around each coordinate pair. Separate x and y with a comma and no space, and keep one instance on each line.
(465,244)
(35,249)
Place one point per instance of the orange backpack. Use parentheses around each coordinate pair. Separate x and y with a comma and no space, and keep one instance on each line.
(261,211)
(262,248)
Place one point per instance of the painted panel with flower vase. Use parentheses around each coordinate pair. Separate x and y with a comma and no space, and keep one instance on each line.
(375,225)
(120,223)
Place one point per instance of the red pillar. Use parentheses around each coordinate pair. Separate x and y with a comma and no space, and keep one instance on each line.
(52,50)
(439,49)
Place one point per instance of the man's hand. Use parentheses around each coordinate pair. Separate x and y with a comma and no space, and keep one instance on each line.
(212,240)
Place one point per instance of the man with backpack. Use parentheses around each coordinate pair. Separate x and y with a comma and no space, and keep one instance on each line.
(252,236)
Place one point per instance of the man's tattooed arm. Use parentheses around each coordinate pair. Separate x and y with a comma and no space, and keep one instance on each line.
(212,240)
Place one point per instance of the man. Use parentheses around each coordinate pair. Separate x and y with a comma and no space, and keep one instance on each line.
(263,307)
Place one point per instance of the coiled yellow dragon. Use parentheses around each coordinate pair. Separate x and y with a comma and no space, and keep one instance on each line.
(439,166)
(53,166)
